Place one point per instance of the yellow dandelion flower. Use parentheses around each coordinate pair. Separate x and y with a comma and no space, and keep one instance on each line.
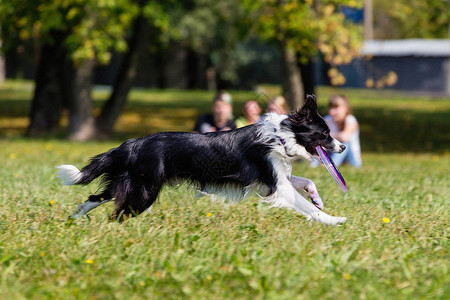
(386,220)
(89,261)
(141,283)
(17,175)
(209,277)
(42,254)
(209,215)
(51,202)
(435,158)
(347,276)
(12,156)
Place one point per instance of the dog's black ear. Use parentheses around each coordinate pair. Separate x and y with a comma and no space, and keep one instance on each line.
(310,103)
(307,111)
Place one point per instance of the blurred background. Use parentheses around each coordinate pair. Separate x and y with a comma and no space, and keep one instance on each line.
(78,77)
(121,68)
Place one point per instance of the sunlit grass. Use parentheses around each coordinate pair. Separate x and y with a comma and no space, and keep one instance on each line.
(393,246)
(193,247)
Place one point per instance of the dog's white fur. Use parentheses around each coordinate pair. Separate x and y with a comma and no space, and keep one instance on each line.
(69,174)
(286,194)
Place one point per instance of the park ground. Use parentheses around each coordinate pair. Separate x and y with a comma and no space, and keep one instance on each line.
(393,246)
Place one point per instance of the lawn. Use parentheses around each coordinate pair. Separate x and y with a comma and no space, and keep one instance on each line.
(393,246)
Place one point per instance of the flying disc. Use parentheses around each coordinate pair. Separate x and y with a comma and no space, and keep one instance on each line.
(331,167)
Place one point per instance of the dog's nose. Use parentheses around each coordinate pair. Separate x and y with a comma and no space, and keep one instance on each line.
(342,147)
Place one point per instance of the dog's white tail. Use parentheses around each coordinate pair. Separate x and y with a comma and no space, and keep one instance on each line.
(69,174)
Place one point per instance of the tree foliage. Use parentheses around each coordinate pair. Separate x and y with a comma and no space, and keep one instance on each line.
(404,19)
(301,29)
(310,26)
(215,29)
(93,28)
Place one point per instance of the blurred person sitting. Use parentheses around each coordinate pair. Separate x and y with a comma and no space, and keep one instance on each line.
(221,117)
(345,128)
(252,113)
(276,105)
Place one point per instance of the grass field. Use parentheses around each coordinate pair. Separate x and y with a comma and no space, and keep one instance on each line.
(393,246)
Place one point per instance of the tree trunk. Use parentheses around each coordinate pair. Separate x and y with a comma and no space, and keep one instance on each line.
(293,89)
(211,82)
(47,103)
(2,62)
(2,67)
(81,120)
(307,75)
(192,69)
(111,109)
(160,68)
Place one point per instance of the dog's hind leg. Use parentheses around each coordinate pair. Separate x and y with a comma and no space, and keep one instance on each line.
(133,197)
(93,201)
(86,207)
(309,187)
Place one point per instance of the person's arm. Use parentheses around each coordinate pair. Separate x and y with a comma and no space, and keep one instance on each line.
(350,127)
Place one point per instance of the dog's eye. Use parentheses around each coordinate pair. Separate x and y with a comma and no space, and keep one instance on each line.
(325,132)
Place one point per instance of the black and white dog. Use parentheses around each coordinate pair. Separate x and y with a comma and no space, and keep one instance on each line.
(228,164)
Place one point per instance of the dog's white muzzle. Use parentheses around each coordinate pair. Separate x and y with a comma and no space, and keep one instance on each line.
(338,147)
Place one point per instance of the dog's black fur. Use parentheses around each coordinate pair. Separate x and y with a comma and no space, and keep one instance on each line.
(134,172)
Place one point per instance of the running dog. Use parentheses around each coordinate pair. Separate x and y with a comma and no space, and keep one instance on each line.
(227,164)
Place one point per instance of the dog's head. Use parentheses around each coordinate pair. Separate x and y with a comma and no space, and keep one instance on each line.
(310,129)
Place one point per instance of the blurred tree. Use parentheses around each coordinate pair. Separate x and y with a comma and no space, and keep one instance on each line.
(2,61)
(151,18)
(74,36)
(404,19)
(212,32)
(300,29)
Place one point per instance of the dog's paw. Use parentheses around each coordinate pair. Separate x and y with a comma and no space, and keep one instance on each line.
(78,213)
(327,219)
(335,221)
(340,220)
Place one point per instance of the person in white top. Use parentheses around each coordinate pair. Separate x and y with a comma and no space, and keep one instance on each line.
(345,128)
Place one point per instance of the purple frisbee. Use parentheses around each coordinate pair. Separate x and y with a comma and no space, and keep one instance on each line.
(334,172)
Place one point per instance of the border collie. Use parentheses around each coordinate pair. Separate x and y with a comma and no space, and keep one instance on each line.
(228,164)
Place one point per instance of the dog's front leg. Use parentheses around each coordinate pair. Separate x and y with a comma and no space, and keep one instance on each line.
(309,187)
(287,196)
(312,212)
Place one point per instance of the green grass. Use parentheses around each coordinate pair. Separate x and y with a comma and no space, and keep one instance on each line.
(194,248)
